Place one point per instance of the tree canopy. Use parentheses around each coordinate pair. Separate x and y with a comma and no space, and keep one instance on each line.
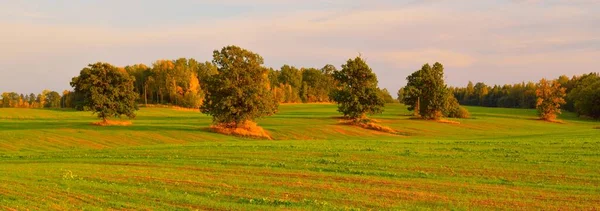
(585,95)
(550,96)
(357,94)
(426,92)
(239,91)
(106,90)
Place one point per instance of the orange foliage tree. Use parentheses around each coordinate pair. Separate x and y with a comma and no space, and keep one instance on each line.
(550,96)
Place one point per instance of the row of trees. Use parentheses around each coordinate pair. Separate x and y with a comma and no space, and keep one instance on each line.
(581,94)
(182,82)
(239,89)
(235,88)
(46,99)
(520,95)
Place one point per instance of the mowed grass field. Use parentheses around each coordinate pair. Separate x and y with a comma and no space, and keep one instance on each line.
(168,160)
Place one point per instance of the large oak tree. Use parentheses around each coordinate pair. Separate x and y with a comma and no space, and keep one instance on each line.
(426,92)
(106,91)
(239,91)
(357,94)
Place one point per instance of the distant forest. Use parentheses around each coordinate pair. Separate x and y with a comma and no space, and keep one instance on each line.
(180,83)
(583,94)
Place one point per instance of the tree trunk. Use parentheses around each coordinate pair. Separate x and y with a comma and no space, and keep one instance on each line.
(417,107)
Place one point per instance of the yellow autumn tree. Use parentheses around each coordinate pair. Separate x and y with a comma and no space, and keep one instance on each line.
(193,96)
(279,93)
(550,96)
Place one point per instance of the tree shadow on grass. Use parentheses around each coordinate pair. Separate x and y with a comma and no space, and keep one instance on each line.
(87,125)
(60,110)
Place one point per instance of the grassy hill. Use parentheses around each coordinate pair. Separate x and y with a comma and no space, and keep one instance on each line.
(499,159)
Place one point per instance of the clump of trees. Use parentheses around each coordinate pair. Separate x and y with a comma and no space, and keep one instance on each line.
(239,92)
(584,95)
(428,96)
(107,91)
(182,82)
(581,95)
(171,82)
(46,99)
(357,94)
(520,95)
(550,96)
(387,97)
(302,85)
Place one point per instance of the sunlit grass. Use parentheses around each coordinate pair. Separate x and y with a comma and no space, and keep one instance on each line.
(169,159)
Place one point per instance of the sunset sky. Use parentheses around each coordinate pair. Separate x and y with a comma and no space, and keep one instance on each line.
(46,43)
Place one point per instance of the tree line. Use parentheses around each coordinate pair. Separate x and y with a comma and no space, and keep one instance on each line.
(235,87)
(46,99)
(582,94)
(182,82)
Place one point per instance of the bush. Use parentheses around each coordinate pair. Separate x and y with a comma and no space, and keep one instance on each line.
(454,110)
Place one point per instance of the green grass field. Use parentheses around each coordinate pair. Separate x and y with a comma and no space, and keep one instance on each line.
(499,159)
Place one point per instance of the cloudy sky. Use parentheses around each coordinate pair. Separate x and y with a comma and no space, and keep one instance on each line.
(43,44)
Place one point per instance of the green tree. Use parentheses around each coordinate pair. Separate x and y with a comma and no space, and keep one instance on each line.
(387,97)
(481,91)
(6,100)
(357,92)
(550,96)
(106,91)
(32,100)
(292,76)
(469,92)
(316,85)
(453,108)
(66,100)
(239,92)
(52,100)
(140,72)
(426,93)
(586,96)
(205,71)
(412,92)
(43,98)
(400,94)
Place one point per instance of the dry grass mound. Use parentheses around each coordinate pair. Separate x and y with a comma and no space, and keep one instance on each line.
(112,123)
(551,120)
(448,121)
(177,108)
(247,129)
(597,127)
(377,127)
(370,124)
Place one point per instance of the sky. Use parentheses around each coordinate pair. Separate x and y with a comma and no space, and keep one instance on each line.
(43,44)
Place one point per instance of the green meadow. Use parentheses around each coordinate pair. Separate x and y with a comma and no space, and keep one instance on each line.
(168,160)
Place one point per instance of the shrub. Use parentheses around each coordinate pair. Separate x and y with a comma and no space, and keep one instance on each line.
(453,110)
